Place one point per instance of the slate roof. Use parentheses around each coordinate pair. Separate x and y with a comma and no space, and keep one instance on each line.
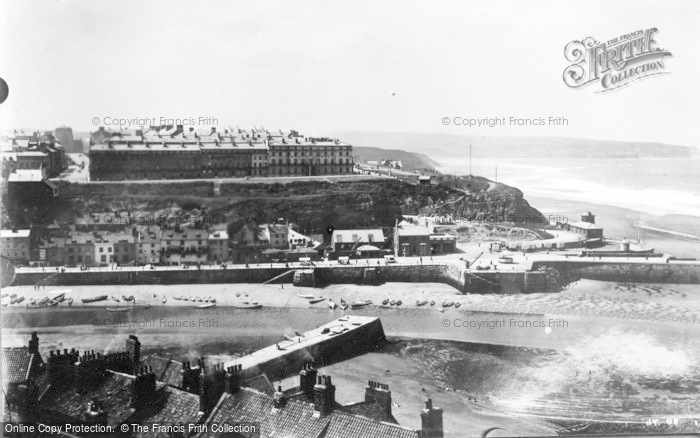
(166,404)
(249,406)
(165,369)
(16,363)
(261,384)
(343,425)
(370,409)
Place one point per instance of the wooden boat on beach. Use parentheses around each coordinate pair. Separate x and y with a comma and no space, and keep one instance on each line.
(358,304)
(332,304)
(307,296)
(343,304)
(119,309)
(94,299)
(316,300)
(248,306)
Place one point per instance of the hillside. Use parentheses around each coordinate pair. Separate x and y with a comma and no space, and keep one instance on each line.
(312,205)
(410,160)
(457,146)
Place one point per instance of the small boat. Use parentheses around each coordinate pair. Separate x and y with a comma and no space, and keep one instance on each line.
(213,300)
(17,300)
(440,309)
(432,303)
(119,309)
(199,299)
(13,296)
(385,302)
(238,294)
(115,299)
(94,299)
(125,298)
(358,304)
(307,296)
(193,299)
(343,304)
(392,302)
(32,301)
(457,305)
(398,303)
(44,301)
(165,300)
(245,294)
(316,300)
(332,304)
(421,303)
(448,304)
(206,299)
(60,297)
(52,303)
(70,301)
(249,306)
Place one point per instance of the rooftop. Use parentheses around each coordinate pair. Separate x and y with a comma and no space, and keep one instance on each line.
(414,231)
(365,236)
(6,234)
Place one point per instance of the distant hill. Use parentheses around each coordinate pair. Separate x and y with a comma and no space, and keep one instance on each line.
(457,146)
(410,160)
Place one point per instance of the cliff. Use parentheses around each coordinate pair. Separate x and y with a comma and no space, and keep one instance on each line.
(314,206)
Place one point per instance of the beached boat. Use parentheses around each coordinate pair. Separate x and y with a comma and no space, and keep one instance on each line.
(332,304)
(398,303)
(124,297)
(343,304)
(70,301)
(238,294)
(51,303)
(165,300)
(385,302)
(199,299)
(94,299)
(457,305)
(213,300)
(432,303)
(316,300)
(60,297)
(362,303)
(421,303)
(118,309)
(392,302)
(307,296)
(17,300)
(248,306)
(32,301)
(43,301)
(115,298)
(448,304)
(206,299)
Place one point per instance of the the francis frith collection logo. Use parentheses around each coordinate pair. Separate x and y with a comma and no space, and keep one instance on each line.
(615,63)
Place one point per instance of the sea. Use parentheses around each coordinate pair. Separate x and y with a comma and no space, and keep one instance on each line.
(627,195)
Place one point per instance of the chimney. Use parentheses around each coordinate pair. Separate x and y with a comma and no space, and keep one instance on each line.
(380,393)
(190,378)
(324,396)
(431,421)
(34,344)
(133,347)
(205,395)
(280,400)
(307,380)
(233,379)
(143,387)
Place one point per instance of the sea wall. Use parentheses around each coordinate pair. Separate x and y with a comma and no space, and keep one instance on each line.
(623,271)
(453,274)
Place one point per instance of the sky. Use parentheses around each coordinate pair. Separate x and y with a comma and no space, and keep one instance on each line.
(320,66)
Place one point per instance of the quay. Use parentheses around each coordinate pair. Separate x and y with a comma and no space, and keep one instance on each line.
(336,341)
(533,273)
